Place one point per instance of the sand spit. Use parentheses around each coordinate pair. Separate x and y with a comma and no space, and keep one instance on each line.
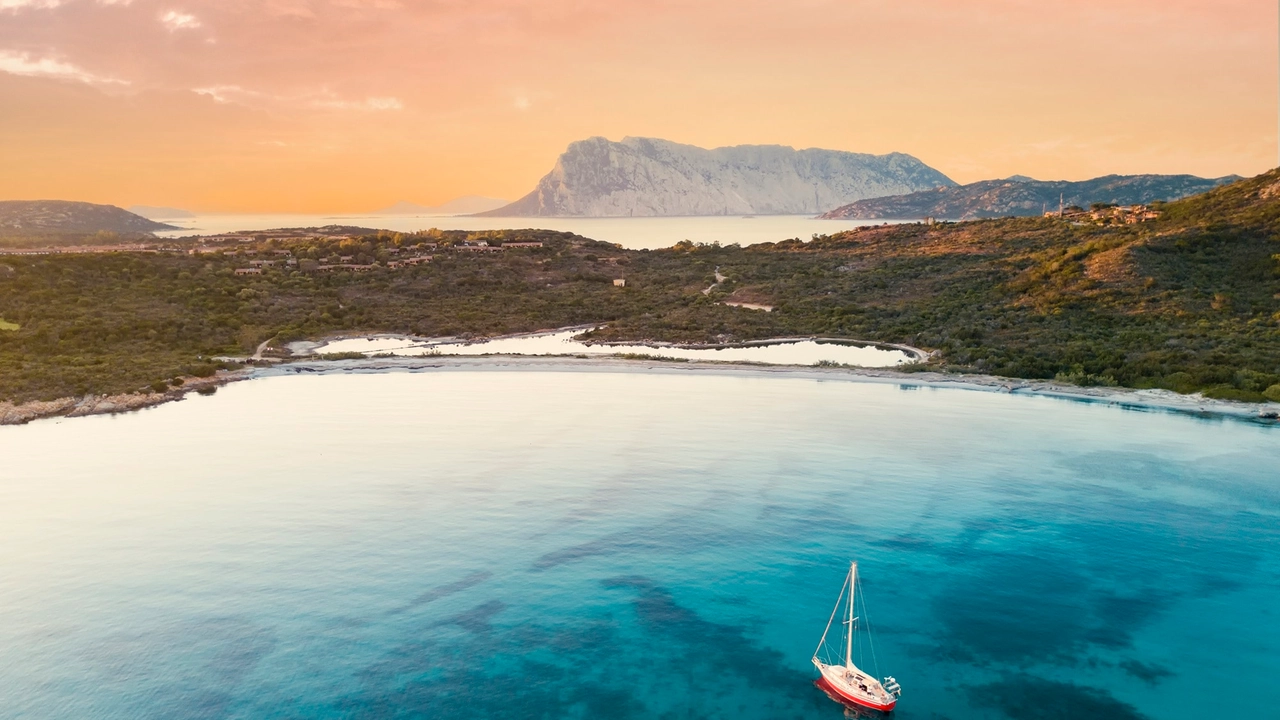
(11,414)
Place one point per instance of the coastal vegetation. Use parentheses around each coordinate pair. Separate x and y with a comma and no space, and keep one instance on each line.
(1189,301)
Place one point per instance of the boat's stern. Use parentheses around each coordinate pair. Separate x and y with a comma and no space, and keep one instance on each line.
(851,685)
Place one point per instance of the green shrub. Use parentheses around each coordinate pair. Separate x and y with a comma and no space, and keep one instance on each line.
(1077,376)
(1179,382)
(1227,392)
(203,370)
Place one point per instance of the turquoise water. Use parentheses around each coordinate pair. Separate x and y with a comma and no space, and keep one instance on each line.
(560,545)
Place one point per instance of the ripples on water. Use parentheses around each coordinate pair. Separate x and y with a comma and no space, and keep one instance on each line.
(804,352)
(556,545)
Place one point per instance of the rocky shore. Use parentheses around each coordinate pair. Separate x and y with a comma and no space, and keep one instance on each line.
(11,414)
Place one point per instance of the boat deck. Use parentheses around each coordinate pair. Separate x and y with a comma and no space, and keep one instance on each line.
(857,686)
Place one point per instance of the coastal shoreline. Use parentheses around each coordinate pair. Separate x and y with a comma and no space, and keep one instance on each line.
(1142,400)
(1146,400)
(82,406)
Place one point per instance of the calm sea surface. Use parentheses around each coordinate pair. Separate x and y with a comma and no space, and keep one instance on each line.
(632,233)
(489,544)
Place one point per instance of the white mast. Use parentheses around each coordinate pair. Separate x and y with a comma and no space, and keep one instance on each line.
(848,647)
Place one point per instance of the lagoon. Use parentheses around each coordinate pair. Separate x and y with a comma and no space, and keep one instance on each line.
(559,545)
(566,342)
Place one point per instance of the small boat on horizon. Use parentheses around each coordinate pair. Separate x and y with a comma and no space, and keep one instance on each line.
(845,681)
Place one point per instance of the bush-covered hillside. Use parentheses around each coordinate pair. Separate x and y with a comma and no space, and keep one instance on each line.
(1189,302)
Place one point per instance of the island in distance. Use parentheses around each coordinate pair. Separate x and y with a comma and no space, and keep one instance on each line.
(51,217)
(1023,197)
(648,177)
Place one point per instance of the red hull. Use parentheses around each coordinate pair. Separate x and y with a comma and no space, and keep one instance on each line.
(835,694)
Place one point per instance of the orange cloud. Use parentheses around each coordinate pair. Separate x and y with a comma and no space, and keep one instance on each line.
(337,105)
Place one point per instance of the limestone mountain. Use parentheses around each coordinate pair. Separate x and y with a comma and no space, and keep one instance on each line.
(42,217)
(651,177)
(1023,197)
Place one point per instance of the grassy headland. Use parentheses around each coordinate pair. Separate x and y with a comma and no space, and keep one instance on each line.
(1188,302)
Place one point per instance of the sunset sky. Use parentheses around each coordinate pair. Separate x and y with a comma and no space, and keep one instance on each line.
(351,105)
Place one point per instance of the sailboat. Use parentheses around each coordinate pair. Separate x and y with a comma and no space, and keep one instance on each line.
(844,680)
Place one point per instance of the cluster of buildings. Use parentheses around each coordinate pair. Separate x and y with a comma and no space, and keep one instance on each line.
(213,244)
(1107,214)
(282,258)
(410,261)
(484,246)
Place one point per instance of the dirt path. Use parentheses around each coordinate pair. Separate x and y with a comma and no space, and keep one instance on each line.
(720,280)
(257,354)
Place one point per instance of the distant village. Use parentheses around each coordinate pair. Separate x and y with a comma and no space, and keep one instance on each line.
(1106,214)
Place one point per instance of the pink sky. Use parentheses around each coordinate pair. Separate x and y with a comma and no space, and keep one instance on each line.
(350,105)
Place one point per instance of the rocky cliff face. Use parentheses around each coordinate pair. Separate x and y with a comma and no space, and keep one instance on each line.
(1024,197)
(36,217)
(650,177)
